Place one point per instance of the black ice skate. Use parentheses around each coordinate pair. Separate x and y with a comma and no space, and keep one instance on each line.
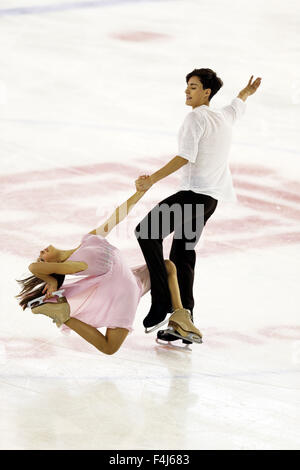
(163,335)
(156,317)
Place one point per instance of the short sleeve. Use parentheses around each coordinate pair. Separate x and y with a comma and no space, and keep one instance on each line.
(189,136)
(235,110)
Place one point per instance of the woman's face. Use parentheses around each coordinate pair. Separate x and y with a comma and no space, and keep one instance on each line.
(48,254)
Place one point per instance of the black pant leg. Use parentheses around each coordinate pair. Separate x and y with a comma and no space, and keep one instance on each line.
(184,258)
(153,254)
(185,264)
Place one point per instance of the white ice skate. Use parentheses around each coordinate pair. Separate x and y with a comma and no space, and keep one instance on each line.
(171,345)
(40,300)
(181,326)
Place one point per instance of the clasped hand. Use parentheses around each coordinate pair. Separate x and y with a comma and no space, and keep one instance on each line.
(143,183)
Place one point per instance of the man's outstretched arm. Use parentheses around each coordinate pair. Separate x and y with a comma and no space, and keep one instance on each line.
(249,89)
(143,183)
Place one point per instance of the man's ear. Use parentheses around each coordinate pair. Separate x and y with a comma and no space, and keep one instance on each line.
(208,92)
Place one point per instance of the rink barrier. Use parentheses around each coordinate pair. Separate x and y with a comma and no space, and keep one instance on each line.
(58,7)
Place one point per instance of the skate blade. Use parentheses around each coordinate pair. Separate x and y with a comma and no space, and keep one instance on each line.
(189,337)
(40,300)
(170,345)
(153,328)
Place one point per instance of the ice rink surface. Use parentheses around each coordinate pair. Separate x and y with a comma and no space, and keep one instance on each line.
(92,96)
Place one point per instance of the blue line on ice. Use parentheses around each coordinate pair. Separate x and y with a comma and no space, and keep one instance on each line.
(29,10)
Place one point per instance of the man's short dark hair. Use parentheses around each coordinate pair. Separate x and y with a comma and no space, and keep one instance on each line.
(208,78)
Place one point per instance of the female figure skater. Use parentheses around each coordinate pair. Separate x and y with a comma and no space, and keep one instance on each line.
(106,296)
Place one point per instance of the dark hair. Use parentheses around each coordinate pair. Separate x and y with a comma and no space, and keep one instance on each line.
(208,78)
(29,284)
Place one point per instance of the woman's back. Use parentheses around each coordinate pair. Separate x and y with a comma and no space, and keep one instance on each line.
(97,253)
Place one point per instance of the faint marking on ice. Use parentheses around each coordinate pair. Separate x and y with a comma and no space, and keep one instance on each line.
(139,36)
(126,378)
(132,130)
(3,355)
(3,92)
(283,332)
(89,125)
(38,348)
(296,353)
(295,91)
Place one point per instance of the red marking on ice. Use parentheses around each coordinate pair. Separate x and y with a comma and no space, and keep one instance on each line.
(27,347)
(212,337)
(282,332)
(270,215)
(276,193)
(251,170)
(277,208)
(139,36)
(207,341)
(69,172)
(242,337)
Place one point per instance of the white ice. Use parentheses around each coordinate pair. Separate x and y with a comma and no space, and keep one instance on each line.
(92,97)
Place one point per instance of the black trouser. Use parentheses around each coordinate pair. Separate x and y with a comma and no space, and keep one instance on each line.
(187,231)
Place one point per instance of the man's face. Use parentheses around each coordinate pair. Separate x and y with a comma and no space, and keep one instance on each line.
(195,95)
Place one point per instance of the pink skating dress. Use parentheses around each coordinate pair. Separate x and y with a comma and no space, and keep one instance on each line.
(109,291)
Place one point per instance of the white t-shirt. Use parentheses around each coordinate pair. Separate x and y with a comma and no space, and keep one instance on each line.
(204,139)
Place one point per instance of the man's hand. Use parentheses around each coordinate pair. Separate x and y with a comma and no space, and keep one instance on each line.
(143,183)
(250,88)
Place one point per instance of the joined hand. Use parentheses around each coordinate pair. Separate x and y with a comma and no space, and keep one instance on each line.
(143,183)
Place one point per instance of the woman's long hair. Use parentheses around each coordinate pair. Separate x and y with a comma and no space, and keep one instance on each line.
(32,287)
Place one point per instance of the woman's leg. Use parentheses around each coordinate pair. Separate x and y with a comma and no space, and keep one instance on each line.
(108,344)
(173,284)
(180,320)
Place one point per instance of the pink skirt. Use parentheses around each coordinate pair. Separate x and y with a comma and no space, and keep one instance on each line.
(112,299)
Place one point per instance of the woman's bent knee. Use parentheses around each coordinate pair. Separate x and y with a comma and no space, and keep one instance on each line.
(114,339)
(110,350)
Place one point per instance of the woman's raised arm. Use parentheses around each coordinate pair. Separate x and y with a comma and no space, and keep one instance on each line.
(118,215)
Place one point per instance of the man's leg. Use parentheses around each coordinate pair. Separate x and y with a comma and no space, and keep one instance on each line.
(185,258)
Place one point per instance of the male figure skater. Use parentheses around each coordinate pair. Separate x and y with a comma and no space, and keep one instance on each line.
(203,148)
